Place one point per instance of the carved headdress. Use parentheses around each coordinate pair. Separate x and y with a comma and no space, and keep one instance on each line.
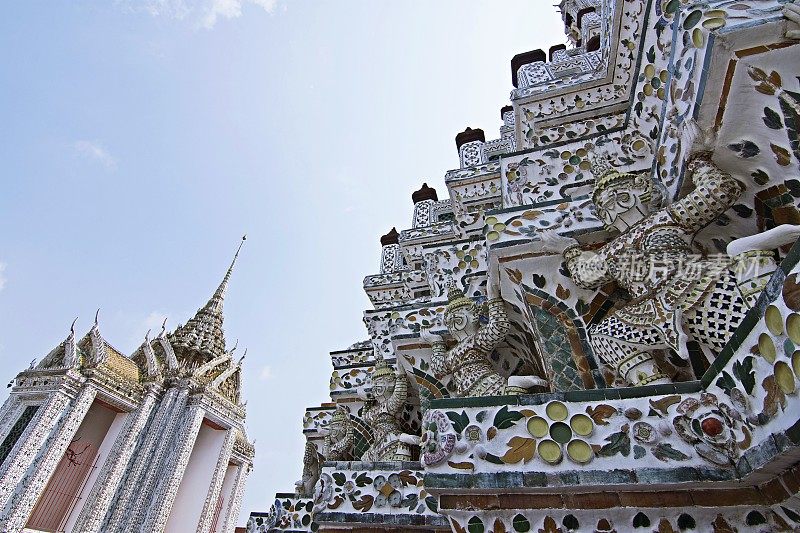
(381,368)
(606,176)
(339,416)
(456,298)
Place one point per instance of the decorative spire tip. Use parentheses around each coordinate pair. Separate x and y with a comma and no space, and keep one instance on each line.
(219,294)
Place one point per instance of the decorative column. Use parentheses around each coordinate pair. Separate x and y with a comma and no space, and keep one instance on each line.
(235,505)
(21,504)
(151,463)
(30,443)
(423,199)
(470,147)
(172,474)
(391,260)
(130,483)
(210,505)
(100,498)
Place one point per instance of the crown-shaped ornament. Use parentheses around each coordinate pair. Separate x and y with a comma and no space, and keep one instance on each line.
(605,174)
(456,298)
(339,415)
(381,367)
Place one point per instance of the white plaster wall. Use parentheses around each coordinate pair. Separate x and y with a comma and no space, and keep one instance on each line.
(196,481)
(228,486)
(102,456)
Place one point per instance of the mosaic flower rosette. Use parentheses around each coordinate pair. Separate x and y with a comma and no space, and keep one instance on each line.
(438,438)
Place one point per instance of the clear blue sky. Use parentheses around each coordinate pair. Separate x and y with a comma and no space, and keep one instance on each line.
(141,139)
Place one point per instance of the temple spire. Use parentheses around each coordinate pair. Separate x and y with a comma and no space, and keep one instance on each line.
(202,336)
(216,301)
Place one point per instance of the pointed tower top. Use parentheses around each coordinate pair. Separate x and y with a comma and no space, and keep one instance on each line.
(202,336)
(217,299)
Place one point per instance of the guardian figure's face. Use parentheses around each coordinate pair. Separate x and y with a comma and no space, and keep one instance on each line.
(462,322)
(621,206)
(383,387)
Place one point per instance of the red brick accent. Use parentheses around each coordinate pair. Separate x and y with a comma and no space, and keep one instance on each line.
(655,499)
(774,491)
(725,498)
(469,501)
(531,501)
(596,500)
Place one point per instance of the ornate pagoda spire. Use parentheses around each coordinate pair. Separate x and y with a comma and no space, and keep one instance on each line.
(202,337)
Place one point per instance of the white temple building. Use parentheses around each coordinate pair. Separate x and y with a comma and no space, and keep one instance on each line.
(92,440)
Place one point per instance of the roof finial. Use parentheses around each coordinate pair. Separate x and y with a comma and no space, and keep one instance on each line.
(72,327)
(96,316)
(219,295)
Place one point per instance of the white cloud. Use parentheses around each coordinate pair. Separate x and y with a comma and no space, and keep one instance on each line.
(266,373)
(3,278)
(176,9)
(95,151)
(205,12)
(153,322)
(136,324)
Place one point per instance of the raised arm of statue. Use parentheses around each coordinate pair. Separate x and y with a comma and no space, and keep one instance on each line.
(715,192)
(438,357)
(398,398)
(439,360)
(587,269)
(493,333)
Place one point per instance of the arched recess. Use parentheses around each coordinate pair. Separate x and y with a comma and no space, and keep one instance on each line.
(429,387)
(363,437)
(561,339)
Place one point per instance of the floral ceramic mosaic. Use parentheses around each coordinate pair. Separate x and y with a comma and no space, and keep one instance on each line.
(547,383)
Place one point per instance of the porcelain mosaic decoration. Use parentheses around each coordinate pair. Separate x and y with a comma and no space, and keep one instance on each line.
(598,329)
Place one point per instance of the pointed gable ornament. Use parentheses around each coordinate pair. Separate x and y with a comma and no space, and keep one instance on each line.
(219,380)
(169,353)
(98,344)
(150,357)
(214,363)
(70,348)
